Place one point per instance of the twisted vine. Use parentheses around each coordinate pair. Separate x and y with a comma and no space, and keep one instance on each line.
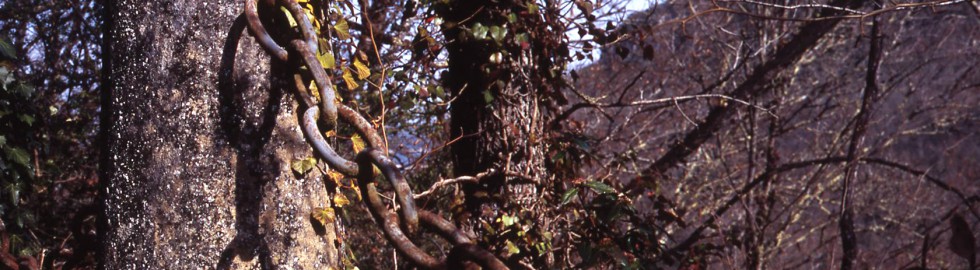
(408,218)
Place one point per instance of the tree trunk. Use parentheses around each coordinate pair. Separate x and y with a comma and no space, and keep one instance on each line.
(197,139)
(497,117)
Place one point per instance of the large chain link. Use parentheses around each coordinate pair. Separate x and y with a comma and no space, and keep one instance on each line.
(391,224)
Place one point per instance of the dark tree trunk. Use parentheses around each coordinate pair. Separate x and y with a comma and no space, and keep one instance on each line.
(494,114)
(197,147)
(498,121)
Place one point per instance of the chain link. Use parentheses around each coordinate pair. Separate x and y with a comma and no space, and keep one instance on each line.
(464,249)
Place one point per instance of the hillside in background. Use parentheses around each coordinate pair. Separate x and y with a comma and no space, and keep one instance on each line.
(748,165)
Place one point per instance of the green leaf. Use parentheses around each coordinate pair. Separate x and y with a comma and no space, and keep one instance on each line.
(5,77)
(26,118)
(18,156)
(512,249)
(498,33)
(23,89)
(14,192)
(3,140)
(487,96)
(439,91)
(479,31)
(600,187)
(303,166)
(532,7)
(7,51)
(542,247)
(521,38)
(508,220)
(569,196)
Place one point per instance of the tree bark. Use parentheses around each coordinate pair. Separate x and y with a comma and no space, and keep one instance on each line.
(495,115)
(498,123)
(197,139)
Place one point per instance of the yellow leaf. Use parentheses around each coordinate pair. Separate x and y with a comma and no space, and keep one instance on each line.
(334,176)
(330,133)
(357,190)
(362,70)
(349,79)
(315,91)
(289,17)
(325,215)
(343,30)
(339,200)
(313,21)
(357,142)
(326,59)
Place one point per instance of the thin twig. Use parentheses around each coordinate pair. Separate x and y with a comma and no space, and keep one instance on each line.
(682,112)
(445,182)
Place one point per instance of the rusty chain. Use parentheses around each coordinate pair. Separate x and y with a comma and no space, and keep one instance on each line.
(304,47)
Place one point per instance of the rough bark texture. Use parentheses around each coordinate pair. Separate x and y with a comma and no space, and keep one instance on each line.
(500,126)
(493,114)
(195,170)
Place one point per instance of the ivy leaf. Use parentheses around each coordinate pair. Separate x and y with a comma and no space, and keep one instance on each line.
(487,96)
(308,9)
(326,59)
(22,89)
(357,143)
(18,156)
(512,249)
(314,90)
(349,79)
(334,176)
(532,7)
(324,215)
(600,187)
(27,119)
(543,247)
(498,33)
(289,17)
(584,6)
(523,40)
(14,192)
(7,51)
(342,28)
(569,195)
(357,190)
(362,70)
(340,200)
(508,220)
(479,31)
(303,166)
